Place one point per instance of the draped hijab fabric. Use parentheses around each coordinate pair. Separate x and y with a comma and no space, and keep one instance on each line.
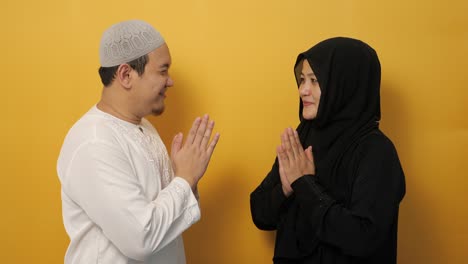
(348,73)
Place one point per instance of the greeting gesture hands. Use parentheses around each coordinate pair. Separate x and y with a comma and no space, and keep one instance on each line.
(294,161)
(190,160)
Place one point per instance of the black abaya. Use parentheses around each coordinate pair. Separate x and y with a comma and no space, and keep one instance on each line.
(348,211)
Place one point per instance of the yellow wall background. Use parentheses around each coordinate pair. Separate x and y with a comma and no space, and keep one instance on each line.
(233,60)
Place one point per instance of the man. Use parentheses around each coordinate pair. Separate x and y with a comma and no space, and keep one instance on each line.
(124,199)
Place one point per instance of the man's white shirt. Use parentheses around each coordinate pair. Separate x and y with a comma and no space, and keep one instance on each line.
(120,200)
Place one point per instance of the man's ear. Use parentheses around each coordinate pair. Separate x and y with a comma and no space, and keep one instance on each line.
(124,75)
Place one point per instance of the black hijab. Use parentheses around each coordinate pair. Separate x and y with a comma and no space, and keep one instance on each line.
(348,72)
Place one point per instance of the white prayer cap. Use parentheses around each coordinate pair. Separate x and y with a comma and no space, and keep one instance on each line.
(126,41)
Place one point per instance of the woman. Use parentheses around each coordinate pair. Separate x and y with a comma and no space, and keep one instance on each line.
(336,201)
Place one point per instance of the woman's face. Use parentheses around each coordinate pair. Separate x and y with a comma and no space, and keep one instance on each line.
(309,91)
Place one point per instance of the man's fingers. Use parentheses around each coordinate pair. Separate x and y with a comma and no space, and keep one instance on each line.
(193,131)
(176,144)
(201,130)
(207,135)
(213,143)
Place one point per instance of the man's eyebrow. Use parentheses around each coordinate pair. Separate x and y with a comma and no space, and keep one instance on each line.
(165,65)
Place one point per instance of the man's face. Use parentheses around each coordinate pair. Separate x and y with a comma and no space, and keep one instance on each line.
(310,92)
(149,89)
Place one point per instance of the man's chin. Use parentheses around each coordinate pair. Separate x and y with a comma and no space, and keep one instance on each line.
(158,111)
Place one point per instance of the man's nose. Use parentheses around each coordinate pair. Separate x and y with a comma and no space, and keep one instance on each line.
(169,82)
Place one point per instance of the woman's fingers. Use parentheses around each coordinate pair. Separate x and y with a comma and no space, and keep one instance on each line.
(308,153)
(282,156)
(286,145)
(292,141)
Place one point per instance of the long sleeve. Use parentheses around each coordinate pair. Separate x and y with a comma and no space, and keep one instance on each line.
(102,181)
(266,200)
(362,226)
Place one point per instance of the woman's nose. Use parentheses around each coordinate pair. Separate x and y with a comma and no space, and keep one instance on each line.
(304,90)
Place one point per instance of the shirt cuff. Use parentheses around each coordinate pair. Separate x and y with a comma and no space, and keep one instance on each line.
(192,212)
